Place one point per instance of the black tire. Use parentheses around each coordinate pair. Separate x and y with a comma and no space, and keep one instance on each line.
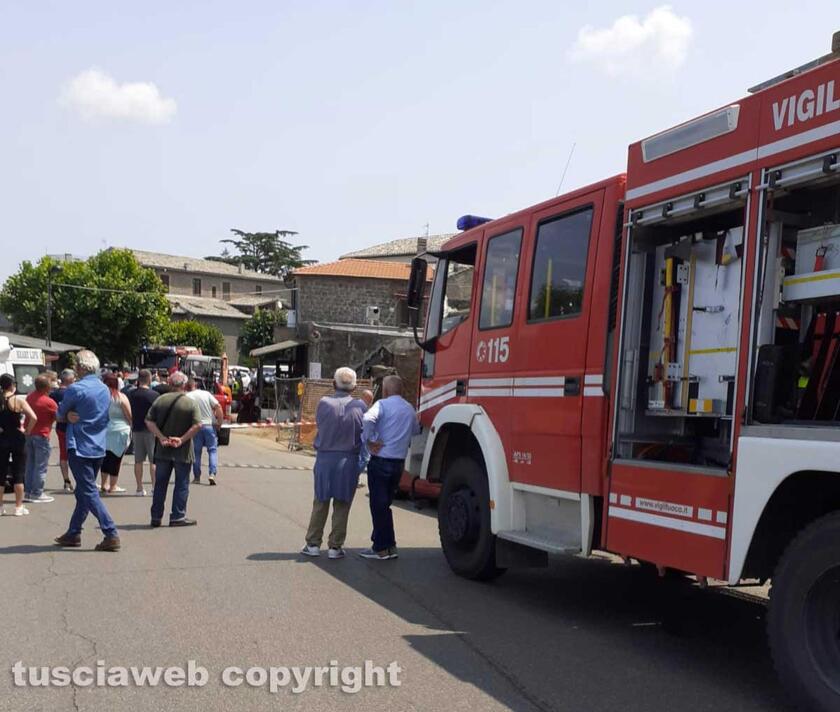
(803,621)
(464,521)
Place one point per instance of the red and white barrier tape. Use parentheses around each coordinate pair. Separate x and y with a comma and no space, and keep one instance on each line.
(267,424)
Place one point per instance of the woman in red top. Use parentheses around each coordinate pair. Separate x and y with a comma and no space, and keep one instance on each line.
(38,441)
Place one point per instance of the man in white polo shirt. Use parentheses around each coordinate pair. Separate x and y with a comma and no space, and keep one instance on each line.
(211,420)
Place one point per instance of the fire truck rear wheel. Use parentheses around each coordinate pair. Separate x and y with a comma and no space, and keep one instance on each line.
(464,521)
(803,621)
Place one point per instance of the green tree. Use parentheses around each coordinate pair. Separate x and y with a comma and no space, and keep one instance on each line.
(259,330)
(207,337)
(108,303)
(266,252)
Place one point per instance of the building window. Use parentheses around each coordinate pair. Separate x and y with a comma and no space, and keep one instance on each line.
(196,287)
(560,266)
(225,290)
(165,279)
(259,289)
(213,292)
(500,269)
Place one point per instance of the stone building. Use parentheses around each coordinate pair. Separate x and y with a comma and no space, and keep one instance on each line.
(213,292)
(352,291)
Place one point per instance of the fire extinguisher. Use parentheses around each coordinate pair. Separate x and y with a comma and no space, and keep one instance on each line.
(819,259)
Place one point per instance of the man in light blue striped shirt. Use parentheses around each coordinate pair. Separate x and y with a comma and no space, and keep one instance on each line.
(388,427)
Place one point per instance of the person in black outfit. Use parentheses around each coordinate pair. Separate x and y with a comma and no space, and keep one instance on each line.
(13,441)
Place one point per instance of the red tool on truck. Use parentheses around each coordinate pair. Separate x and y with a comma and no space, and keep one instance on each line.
(649,366)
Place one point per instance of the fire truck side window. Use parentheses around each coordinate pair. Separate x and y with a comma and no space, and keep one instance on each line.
(457,295)
(560,266)
(499,286)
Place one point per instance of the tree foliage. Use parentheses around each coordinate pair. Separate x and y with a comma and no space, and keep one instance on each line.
(114,324)
(207,337)
(259,330)
(266,252)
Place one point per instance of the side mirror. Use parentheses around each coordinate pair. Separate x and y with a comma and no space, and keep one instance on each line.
(416,286)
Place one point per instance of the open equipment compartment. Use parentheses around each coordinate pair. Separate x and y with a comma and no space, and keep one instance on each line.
(680,337)
(797,334)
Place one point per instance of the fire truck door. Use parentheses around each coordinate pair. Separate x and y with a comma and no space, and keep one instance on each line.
(491,382)
(551,341)
(449,329)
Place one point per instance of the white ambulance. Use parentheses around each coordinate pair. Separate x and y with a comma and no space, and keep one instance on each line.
(23,364)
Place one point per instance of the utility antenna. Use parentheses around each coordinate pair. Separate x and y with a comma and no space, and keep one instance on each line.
(568,161)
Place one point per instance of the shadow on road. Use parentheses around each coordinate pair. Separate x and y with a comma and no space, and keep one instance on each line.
(34,549)
(582,634)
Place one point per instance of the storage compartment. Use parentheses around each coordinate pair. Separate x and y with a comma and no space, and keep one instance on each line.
(681,328)
(797,361)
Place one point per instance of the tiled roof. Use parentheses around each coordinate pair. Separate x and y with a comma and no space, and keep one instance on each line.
(403,247)
(364,269)
(203,306)
(158,260)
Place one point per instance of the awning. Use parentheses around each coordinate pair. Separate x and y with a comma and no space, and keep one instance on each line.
(275,348)
(31,342)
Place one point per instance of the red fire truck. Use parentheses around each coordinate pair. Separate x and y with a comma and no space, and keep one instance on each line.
(651,366)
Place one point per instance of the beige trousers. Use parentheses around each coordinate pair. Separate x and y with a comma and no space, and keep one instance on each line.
(315,533)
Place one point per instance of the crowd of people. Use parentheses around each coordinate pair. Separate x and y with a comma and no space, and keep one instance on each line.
(97,417)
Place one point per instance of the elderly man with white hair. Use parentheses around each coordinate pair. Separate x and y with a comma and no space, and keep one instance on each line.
(174,420)
(339,439)
(85,407)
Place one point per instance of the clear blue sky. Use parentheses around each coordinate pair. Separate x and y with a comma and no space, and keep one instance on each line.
(352,122)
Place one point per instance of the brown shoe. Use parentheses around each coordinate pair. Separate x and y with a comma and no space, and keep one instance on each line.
(109,543)
(69,540)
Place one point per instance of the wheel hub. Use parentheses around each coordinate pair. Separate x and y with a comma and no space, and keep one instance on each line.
(461,517)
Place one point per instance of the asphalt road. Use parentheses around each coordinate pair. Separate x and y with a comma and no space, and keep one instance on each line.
(233,591)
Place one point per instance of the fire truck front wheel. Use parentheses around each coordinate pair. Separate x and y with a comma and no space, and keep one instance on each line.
(464,521)
(804,616)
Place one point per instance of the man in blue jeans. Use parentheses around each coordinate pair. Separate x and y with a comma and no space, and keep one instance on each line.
(85,407)
(388,427)
(174,420)
(211,419)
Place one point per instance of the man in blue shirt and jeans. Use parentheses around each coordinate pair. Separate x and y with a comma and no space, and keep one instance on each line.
(85,407)
(388,427)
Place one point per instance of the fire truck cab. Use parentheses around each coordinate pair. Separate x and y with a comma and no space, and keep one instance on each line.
(651,366)
(512,388)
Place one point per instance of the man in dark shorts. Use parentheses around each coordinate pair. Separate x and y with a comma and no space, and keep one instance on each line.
(141,399)
(67,379)
(174,420)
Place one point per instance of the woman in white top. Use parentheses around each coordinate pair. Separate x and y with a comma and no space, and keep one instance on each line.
(117,436)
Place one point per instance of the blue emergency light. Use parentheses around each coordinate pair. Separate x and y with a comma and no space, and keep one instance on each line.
(468,222)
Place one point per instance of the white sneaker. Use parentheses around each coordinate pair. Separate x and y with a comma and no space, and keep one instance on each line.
(336,553)
(2,511)
(44,498)
(310,550)
(21,511)
(117,490)
(140,493)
